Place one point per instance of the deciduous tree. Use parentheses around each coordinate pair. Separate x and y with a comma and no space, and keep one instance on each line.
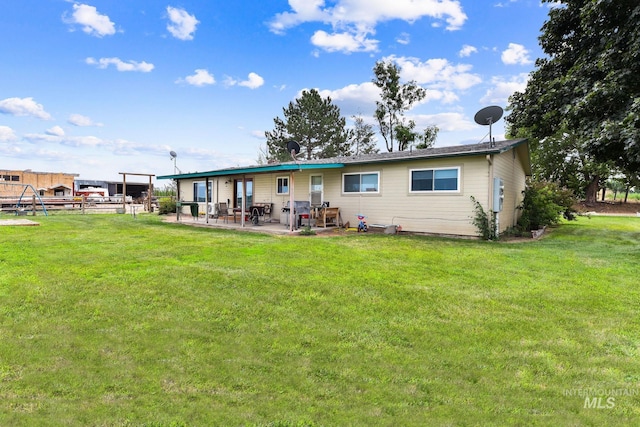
(396,99)
(588,86)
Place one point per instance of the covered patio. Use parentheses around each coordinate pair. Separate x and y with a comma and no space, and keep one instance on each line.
(273,227)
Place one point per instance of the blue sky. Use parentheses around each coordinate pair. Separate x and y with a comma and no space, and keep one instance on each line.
(99,87)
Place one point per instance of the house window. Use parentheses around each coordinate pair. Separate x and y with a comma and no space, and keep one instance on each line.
(427,180)
(199,194)
(368,182)
(282,185)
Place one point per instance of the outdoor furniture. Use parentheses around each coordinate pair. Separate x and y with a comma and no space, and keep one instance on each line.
(328,216)
(222,210)
(260,210)
(237,212)
(193,208)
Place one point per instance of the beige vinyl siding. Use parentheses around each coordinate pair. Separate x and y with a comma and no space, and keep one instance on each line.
(508,167)
(429,212)
(447,212)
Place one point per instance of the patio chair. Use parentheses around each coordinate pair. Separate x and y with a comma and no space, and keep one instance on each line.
(223,211)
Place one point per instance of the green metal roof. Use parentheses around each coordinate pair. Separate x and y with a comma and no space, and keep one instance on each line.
(286,167)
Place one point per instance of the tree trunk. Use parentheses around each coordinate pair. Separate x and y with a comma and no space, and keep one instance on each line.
(591,193)
(626,194)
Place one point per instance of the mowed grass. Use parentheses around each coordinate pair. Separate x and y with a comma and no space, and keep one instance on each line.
(108,320)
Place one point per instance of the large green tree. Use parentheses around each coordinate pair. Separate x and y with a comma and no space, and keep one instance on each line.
(588,85)
(396,99)
(315,123)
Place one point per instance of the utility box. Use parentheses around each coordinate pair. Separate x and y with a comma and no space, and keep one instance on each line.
(498,194)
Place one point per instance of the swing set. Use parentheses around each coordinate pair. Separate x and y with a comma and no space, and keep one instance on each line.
(18,202)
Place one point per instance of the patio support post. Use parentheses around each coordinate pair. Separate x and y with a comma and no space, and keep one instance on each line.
(291,215)
(244,200)
(207,200)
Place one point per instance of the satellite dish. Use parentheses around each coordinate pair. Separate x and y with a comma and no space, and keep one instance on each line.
(293,147)
(173,154)
(488,116)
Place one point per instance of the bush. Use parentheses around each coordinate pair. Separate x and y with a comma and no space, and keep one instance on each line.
(484,222)
(167,206)
(545,204)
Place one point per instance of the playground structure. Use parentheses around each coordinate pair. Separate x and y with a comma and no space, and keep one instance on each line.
(20,202)
(24,199)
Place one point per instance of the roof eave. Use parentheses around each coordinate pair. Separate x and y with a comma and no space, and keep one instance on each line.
(287,167)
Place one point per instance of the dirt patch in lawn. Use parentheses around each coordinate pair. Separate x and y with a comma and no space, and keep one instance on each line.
(609,208)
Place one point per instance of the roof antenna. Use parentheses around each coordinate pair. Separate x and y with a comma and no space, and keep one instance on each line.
(488,116)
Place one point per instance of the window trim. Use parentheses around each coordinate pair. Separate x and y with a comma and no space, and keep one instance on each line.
(458,169)
(288,185)
(376,173)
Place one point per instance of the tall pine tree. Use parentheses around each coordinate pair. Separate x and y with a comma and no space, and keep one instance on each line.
(315,123)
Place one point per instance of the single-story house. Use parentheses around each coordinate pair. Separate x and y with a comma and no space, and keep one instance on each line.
(427,190)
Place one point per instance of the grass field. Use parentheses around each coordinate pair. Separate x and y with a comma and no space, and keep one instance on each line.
(107,320)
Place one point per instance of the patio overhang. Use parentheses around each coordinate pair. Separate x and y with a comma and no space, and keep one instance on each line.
(288,167)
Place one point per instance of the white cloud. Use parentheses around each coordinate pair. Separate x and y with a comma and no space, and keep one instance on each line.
(82,121)
(120,65)
(200,78)
(182,25)
(516,54)
(368,12)
(353,98)
(7,134)
(467,50)
(354,20)
(344,42)
(446,122)
(499,4)
(92,22)
(436,73)
(503,88)
(23,107)
(55,131)
(404,38)
(254,81)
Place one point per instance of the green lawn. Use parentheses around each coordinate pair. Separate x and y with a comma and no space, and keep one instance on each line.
(108,320)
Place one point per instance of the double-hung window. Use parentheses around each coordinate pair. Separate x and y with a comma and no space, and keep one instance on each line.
(365,182)
(282,185)
(435,180)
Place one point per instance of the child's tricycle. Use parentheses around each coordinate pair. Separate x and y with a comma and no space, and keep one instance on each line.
(362,223)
